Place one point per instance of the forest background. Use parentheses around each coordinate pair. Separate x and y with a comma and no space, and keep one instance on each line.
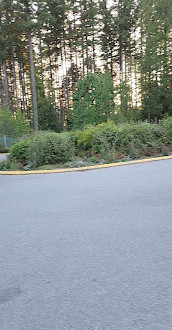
(68,63)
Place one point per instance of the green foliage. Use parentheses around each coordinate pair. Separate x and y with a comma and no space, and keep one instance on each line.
(104,139)
(50,148)
(93,100)
(167,130)
(124,111)
(8,165)
(43,148)
(84,138)
(19,151)
(21,123)
(10,125)
(48,117)
(105,142)
(155,59)
(110,140)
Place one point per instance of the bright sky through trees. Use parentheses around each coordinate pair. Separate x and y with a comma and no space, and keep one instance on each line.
(46,47)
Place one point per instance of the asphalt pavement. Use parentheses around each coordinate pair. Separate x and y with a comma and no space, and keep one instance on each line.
(87,250)
(3,157)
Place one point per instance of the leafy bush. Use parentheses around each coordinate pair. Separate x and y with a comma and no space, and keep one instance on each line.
(10,125)
(84,138)
(93,100)
(104,142)
(19,151)
(167,130)
(43,148)
(128,139)
(50,148)
(8,165)
(21,123)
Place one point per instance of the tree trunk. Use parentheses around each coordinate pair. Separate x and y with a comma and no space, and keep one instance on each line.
(1,87)
(33,83)
(121,59)
(15,79)
(7,97)
(41,58)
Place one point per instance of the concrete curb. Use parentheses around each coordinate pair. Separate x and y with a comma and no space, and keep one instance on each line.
(4,154)
(81,169)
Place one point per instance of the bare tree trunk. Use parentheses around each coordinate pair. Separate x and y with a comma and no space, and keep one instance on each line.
(94,54)
(76,53)
(33,83)
(71,61)
(64,83)
(21,76)
(51,74)
(82,47)
(41,58)
(15,80)
(121,60)
(67,80)
(7,97)
(1,87)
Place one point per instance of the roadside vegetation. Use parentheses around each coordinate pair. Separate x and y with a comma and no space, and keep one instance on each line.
(103,143)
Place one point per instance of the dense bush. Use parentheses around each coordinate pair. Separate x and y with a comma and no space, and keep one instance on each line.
(128,139)
(106,141)
(93,100)
(167,130)
(12,125)
(43,148)
(84,138)
(19,151)
(8,165)
(50,148)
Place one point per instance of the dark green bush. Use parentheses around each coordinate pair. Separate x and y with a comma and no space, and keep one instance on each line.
(167,130)
(106,141)
(19,151)
(8,165)
(128,139)
(50,148)
(84,138)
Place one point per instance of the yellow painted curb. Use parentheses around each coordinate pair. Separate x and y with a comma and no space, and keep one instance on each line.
(81,169)
(4,154)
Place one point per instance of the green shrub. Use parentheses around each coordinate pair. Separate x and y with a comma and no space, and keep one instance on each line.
(157,132)
(93,100)
(167,130)
(84,138)
(5,165)
(144,137)
(104,139)
(21,123)
(128,139)
(8,165)
(12,125)
(50,148)
(19,151)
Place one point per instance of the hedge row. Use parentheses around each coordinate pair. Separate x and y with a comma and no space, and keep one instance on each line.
(106,141)
(43,148)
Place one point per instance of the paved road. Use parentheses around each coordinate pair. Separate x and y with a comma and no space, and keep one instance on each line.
(3,157)
(87,250)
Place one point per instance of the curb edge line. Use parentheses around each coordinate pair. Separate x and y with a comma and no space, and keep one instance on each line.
(86,168)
